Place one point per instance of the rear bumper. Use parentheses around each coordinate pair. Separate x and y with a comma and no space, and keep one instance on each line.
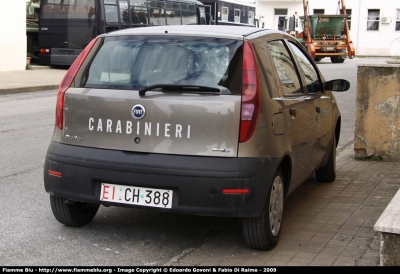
(196,181)
(59,57)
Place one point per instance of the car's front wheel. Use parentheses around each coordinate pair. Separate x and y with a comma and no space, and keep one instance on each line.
(72,214)
(263,232)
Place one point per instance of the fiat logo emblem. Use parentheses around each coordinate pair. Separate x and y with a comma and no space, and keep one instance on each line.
(138,112)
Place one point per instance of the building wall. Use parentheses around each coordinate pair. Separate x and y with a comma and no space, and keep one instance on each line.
(265,10)
(13,35)
(380,42)
(383,42)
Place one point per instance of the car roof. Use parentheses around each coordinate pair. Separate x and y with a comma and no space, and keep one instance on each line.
(221,31)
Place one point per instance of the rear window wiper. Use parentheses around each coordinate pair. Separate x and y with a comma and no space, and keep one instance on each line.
(189,88)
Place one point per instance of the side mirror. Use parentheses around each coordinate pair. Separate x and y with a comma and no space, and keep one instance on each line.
(337,85)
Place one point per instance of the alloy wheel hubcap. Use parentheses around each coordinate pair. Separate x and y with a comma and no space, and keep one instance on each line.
(276,206)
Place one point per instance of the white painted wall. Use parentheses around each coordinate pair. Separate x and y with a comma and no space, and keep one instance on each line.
(379,42)
(265,10)
(384,42)
(13,35)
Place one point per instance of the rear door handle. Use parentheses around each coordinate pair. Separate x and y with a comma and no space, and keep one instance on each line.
(292,111)
(318,109)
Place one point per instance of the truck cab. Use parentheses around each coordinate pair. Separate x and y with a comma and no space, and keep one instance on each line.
(293,25)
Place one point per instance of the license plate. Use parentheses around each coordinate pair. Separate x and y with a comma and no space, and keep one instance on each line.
(330,48)
(132,195)
(66,52)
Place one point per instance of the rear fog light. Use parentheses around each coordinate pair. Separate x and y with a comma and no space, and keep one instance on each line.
(55,173)
(235,191)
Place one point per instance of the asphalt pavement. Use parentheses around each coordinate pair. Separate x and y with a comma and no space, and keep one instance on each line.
(325,224)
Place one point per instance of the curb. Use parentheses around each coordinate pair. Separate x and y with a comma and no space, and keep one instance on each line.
(27,89)
(35,67)
(346,146)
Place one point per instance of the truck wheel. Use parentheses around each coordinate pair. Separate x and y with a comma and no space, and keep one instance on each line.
(72,214)
(263,232)
(327,173)
(336,59)
(340,60)
(317,59)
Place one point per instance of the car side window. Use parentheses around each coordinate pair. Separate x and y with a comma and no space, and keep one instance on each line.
(310,74)
(285,68)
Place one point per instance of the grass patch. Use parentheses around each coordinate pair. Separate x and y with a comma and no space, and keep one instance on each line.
(373,158)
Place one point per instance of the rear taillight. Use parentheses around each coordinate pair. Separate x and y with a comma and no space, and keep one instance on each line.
(44,51)
(67,81)
(250,94)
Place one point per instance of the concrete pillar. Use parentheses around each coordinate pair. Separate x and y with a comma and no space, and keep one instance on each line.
(390,249)
(388,225)
(377,128)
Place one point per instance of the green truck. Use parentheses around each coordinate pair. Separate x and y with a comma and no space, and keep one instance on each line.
(324,35)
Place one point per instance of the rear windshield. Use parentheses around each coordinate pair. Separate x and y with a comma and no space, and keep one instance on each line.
(69,9)
(134,62)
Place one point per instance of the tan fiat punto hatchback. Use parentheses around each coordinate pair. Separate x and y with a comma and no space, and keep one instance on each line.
(207,120)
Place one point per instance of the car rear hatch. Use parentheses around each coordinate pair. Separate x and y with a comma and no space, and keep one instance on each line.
(172,95)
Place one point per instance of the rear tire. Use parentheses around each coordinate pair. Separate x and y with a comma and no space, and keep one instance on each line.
(317,59)
(263,232)
(336,59)
(327,173)
(72,214)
